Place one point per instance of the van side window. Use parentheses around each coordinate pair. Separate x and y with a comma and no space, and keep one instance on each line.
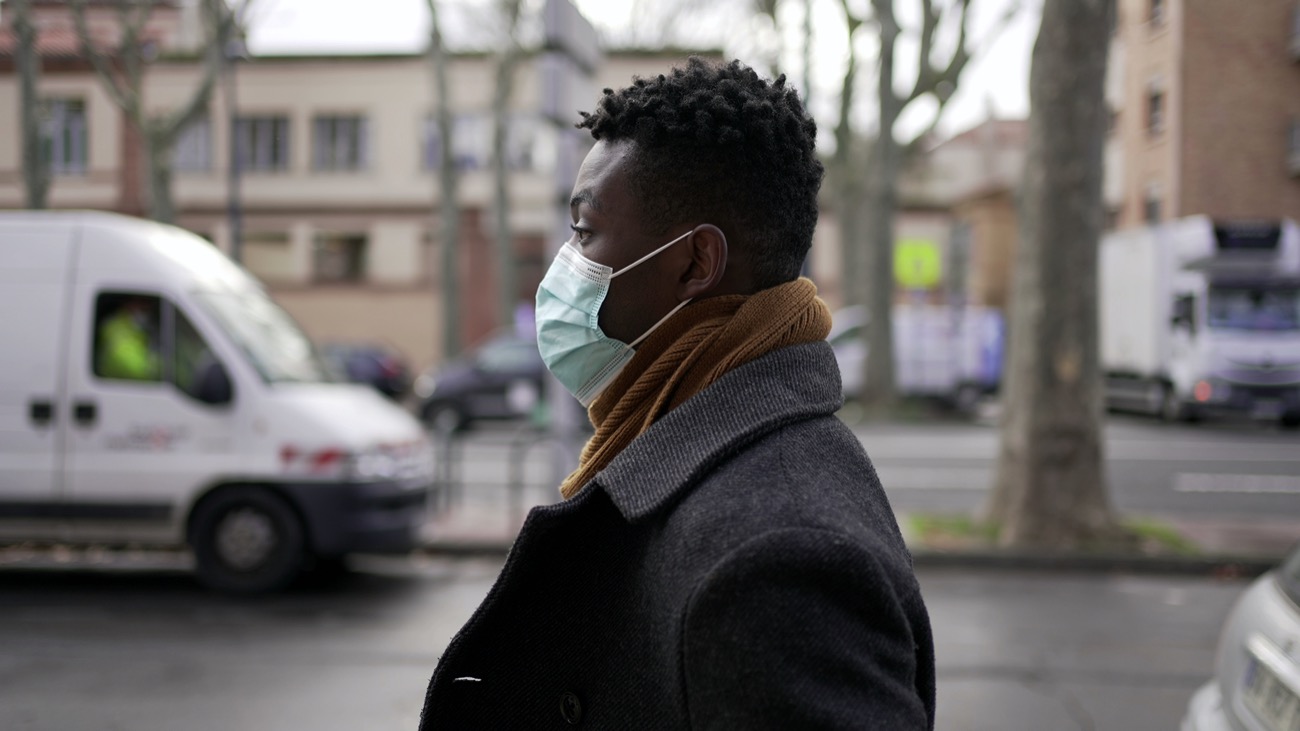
(128,336)
(1185,312)
(192,355)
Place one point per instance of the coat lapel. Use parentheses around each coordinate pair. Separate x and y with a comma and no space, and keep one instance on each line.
(786,386)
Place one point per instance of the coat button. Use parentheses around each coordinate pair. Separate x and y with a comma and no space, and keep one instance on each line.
(571,709)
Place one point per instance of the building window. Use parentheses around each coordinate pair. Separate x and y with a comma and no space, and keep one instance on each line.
(340,143)
(1157,13)
(193,150)
(1295,32)
(1151,205)
(521,141)
(1293,148)
(340,258)
(1155,111)
(263,143)
(63,136)
(471,141)
(269,256)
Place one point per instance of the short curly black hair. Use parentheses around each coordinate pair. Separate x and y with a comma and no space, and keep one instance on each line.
(719,144)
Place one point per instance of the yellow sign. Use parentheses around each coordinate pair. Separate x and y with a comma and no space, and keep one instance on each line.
(917,264)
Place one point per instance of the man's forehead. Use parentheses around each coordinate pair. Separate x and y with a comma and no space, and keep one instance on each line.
(587,197)
(601,178)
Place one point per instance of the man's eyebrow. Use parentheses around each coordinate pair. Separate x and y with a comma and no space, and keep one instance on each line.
(584,196)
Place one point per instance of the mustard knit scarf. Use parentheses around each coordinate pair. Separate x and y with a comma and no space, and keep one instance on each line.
(687,353)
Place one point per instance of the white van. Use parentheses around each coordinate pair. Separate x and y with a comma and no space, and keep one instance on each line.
(228,435)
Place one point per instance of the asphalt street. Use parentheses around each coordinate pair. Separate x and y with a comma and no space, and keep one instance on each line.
(150,651)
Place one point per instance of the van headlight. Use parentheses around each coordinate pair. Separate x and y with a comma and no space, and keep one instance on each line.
(374,465)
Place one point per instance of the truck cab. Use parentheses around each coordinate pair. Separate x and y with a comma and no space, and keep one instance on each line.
(1202,317)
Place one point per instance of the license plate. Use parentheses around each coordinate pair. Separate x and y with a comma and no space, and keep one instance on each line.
(1267,409)
(1270,699)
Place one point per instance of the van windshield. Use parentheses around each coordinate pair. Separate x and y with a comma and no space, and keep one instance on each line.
(279,351)
(1254,308)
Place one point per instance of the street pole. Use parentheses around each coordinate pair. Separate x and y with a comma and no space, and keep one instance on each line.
(234,209)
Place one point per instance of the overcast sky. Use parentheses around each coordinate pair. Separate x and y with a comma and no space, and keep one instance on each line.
(997,78)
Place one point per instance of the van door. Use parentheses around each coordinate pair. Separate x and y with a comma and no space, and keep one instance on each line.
(34,270)
(142,443)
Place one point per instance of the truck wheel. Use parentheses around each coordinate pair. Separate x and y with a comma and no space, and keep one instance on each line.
(247,540)
(1171,407)
(966,399)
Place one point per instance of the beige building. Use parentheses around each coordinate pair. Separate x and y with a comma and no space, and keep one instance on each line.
(1206,100)
(339,184)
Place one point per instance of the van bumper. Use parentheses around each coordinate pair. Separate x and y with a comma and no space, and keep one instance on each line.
(362,517)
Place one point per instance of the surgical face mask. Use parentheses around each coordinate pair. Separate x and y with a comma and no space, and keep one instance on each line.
(573,348)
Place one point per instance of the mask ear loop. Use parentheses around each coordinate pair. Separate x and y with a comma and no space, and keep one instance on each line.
(651,255)
(655,326)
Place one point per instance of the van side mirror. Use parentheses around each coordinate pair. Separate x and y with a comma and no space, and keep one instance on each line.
(212,383)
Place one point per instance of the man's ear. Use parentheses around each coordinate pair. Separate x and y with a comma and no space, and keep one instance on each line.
(708,249)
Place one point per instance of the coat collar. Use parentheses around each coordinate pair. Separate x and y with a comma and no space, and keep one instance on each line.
(783,387)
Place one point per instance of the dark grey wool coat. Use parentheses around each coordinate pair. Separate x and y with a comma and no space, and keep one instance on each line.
(737,566)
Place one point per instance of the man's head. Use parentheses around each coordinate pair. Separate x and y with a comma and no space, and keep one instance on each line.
(713,143)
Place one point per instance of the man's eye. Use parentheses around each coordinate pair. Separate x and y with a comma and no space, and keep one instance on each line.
(579,234)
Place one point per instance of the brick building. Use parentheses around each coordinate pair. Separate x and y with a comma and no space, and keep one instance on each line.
(1206,100)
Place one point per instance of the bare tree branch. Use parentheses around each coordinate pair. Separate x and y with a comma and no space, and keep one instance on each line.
(124,98)
(930,80)
(219,26)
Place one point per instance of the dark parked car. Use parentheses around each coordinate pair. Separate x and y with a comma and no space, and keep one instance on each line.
(376,365)
(501,379)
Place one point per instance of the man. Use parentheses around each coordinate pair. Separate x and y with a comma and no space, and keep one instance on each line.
(725,557)
(126,349)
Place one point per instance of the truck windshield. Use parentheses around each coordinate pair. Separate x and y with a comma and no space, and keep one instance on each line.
(277,348)
(1255,308)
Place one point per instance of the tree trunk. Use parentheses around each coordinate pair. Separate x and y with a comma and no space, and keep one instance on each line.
(158,171)
(507,294)
(847,176)
(879,389)
(36,168)
(448,206)
(879,392)
(1051,490)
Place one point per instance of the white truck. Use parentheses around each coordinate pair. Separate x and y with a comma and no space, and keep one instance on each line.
(151,393)
(1200,317)
(952,353)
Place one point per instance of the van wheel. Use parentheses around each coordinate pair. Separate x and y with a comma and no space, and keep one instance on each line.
(247,540)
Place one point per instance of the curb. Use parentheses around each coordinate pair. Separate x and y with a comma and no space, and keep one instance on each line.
(1222,566)
(1219,566)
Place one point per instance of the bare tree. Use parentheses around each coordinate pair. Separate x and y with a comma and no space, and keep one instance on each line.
(36,168)
(936,79)
(448,205)
(1051,486)
(121,73)
(506,64)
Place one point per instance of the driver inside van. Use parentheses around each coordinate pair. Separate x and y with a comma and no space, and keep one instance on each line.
(127,343)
